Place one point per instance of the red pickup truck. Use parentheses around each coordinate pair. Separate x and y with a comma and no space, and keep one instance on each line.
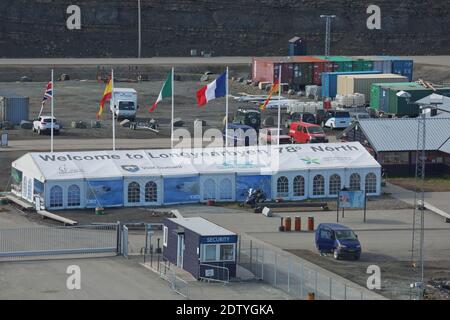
(303,132)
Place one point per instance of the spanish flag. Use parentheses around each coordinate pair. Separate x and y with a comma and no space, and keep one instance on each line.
(106,97)
(272,91)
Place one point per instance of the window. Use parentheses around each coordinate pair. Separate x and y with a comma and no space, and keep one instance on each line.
(165,235)
(151,192)
(226,189)
(209,189)
(56,197)
(30,190)
(335,184)
(134,192)
(73,196)
(226,252)
(318,185)
(210,252)
(325,234)
(283,187)
(371,183)
(24,187)
(299,186)
(355,182)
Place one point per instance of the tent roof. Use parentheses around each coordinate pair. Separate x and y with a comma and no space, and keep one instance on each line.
(178,162)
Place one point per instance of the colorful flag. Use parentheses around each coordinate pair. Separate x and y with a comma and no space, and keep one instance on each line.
(216,89)
(165,92)
(48,94)
(272,91)
(106,96)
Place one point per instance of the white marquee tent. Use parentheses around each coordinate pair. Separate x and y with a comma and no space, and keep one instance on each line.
(91,179)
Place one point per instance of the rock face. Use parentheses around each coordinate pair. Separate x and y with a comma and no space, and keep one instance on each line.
(37,28)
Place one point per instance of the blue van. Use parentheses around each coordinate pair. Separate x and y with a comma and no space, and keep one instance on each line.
(338,239)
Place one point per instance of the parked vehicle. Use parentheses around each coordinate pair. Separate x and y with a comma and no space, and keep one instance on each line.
(44,124)
(240,135)
(248,116)
(124,105)
(337,239)
(336,119)
(297,116)
(302,132)
(270,135)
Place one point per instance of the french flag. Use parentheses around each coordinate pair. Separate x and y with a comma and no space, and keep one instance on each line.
(216,89)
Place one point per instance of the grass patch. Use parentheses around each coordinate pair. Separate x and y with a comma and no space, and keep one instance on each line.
(432,184)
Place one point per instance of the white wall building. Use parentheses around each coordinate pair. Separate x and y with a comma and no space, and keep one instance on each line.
(89,179)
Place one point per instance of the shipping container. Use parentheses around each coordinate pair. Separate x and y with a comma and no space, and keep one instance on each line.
(361,83)
(267,69)
(375,92)
(302,74)
(14,108)
(318,67)
(329,81)
(401,66)
(402,107)
(340,63)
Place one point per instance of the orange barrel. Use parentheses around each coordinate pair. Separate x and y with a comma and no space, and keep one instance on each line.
(311,296)
(287,224)
(310,223)
(298,224)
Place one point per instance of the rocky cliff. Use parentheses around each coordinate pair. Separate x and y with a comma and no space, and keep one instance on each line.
(37,28)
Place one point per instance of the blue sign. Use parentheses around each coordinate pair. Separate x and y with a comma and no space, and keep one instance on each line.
(218,239)
(104,193)
(351,199)
(181,190)
(244,183)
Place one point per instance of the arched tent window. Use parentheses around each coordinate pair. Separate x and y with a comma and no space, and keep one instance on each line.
(56,197)
(319,185)
(151,192)
(355,182)
(209,189)
(73,196)
(335,184)
(226,189)
(134,192)
(371,183)
(299,186)
(283,187)
(30,190)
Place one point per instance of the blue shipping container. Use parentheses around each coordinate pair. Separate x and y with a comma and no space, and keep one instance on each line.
(329,81)
(401,66)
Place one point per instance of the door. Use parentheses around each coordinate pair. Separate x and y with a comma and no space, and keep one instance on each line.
(180,250)
(326,240)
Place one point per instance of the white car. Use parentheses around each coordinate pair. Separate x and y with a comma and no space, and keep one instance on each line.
(44,124)
(337,119)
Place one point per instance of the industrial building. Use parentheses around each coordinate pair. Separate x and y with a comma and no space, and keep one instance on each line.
(92,179)
(393,142)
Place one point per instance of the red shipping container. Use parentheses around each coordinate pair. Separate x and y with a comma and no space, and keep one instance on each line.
(319,66)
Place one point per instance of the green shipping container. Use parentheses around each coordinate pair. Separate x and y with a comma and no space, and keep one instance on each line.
(400,107)
(375,91)
(340,63)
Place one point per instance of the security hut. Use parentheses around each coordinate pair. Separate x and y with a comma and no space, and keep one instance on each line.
(90,179)
(200,247)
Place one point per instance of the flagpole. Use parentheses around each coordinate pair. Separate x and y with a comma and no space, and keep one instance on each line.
(173,107)
(279,105)
(51,129)
(226,110)
(113,111)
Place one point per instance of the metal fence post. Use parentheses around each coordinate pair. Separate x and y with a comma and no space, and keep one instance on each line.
(302,279)
(240,248)
(118,237)
(262,264)
(275,266)
(315,285)
(251,254)
(362,295)
(289,275)
(331,283)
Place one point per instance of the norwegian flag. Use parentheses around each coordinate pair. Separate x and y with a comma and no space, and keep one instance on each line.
(48,92)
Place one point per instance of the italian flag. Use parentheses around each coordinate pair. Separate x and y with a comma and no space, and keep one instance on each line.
(166,92)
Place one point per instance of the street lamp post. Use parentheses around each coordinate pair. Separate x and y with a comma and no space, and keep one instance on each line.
(139,30)
(327,18)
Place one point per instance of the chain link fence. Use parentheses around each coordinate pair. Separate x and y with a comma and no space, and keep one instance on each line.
(292,277)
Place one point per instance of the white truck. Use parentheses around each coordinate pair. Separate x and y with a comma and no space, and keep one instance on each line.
(124,103)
